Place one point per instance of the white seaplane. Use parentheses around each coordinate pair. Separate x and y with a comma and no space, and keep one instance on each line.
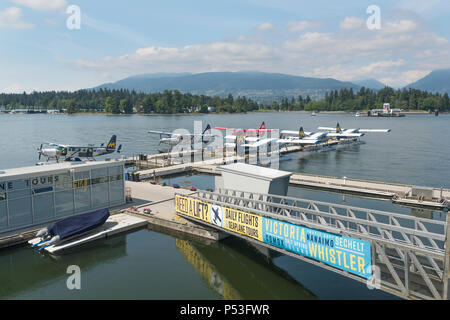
(76,153)
(250,138)
(349,136)
(173,139)
(349,133)
(308,141)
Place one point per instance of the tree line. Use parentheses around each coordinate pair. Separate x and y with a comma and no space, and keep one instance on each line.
(173,101)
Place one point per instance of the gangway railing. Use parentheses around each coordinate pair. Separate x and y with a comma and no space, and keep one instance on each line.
(410,255)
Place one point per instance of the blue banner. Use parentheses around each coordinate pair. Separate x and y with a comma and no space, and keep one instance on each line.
(344,253)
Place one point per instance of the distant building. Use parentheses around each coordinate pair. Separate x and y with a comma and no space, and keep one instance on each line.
(386,112)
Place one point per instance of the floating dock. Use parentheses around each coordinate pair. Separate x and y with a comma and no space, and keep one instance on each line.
(409,195)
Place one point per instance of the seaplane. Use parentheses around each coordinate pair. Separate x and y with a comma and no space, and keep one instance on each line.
(260,132)
(339,132)
(307,141)
(250,138)
(173,139)
(300,137)
(349,136)
(75,153)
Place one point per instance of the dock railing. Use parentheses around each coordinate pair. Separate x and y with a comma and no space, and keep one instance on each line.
(410,255)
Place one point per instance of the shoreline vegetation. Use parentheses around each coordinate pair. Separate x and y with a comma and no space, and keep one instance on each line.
(174,102)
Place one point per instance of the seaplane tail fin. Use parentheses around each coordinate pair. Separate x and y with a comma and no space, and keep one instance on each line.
(112,143)
(263,125)
(301,133)
(206,135)
(207,129)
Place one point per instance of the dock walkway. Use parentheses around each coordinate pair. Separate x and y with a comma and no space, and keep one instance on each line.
(159,200)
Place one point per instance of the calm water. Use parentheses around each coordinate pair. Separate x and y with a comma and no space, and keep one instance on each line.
(150,265)
(416,151)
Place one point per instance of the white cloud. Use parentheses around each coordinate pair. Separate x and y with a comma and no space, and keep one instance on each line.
(43,5)
(265,26)
(351,23)
(298,26)
(388,54)
(11,18)
(402,26)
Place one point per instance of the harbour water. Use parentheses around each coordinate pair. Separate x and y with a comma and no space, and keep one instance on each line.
(151,265)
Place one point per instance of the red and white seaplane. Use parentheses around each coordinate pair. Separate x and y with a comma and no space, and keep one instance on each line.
(248,137)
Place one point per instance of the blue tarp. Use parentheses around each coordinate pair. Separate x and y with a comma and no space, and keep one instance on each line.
(78,224)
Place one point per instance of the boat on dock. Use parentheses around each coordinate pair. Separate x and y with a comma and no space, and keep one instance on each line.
(81,229)
(70,227)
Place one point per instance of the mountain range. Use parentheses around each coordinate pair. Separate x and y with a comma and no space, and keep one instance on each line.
(435,81)
(261,86)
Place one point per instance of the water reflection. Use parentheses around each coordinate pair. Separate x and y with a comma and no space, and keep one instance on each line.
(235,270)
(207,271)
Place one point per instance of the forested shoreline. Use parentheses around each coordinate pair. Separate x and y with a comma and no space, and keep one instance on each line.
(173,101)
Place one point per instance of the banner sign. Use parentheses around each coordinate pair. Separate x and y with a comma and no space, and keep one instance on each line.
(242,222)
(341,252)
(193,208)
(344,253)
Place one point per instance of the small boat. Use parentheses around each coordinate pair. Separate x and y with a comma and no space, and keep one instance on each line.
(313,113)
(70,227)
(357,114)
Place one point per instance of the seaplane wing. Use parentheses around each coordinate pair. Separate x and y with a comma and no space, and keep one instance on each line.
(345,134)
(298,141)
(327,128)
(52,144)
(293,133)
(338,129)
(252,139)
(259,143)
(245,130)
(231,137)
(170,134)
(252,142)
(262,128)
(317,135)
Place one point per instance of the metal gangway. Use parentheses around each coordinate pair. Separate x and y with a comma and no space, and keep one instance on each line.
(410,254)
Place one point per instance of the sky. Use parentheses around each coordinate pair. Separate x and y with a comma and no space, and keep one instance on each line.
(76,44)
